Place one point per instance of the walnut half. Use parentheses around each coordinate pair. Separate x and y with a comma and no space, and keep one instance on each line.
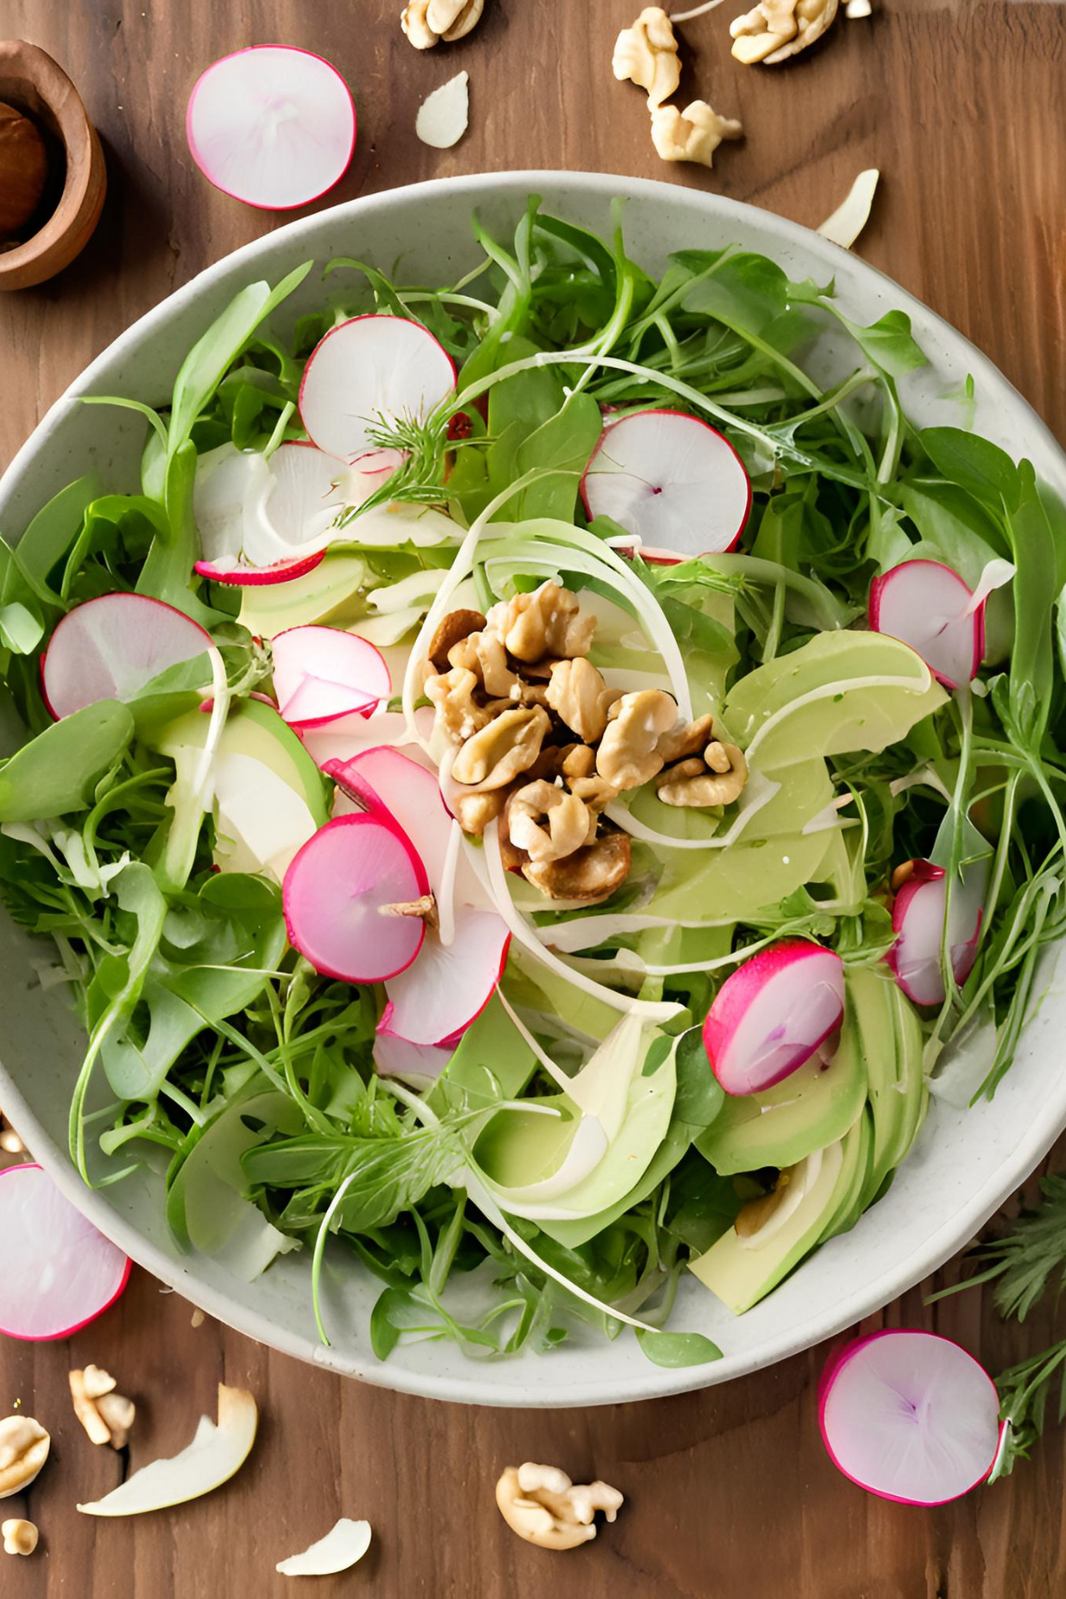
(716,779)
(590,874)
(504,749)
(693,134)
(646,54)
(628,754)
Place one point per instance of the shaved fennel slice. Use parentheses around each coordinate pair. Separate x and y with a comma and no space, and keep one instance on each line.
(851,216)
(651,1011)
(586,932)
(538,538)
(492,1213)
(757,793)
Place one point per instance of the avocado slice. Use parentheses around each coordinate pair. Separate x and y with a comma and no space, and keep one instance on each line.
(892,1040)
(742,1271)
(257,730)
(813,1107)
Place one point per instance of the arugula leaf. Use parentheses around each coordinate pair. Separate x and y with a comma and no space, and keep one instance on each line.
(678,1349)
(58,771)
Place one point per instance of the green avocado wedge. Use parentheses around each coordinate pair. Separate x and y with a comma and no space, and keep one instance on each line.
(256,730)
(741,1271)
(698,1100)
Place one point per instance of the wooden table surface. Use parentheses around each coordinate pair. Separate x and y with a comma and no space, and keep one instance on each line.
(729,1492)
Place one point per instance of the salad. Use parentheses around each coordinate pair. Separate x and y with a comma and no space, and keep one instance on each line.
(532,788)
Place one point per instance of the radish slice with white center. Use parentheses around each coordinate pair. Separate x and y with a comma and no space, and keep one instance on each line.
(449,985)
(268,520)
(57,1272)
(342,1547)
(366,369)
(411,795)
(918,922)
(342,895)
(773,1014)
(112,647)
(415,1063)
(671,480)
(909,1416)
(322,673)
(928,606)
(273,126)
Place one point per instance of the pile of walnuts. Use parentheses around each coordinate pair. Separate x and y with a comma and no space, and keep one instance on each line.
(544,746)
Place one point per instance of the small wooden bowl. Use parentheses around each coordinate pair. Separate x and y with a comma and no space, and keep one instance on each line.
(32,82)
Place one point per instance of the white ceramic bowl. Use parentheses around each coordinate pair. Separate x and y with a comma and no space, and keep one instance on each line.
(965,1163)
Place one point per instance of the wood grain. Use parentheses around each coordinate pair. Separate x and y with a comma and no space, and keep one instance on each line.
(730,1494)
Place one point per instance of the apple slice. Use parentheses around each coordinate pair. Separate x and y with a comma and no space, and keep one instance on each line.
(343,895)
(772,1014)
(672,481)
(112,647)
(216,1453)
(909,1416)
(57,1273)
(342,1547)
(324,673)
(272,125)
(368,368)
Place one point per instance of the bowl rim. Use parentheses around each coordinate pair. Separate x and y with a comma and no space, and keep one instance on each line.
(957,1227)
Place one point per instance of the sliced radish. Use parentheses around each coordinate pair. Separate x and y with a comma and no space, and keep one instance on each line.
(322,673)
(772,1014)
(909,1416)
(112,647)
(449,985)
(398,1057)
(215,1454)
(410,793)
(272,125)
(266,520)
(343,1546)
(918,922)
(368,368)
(928,606)
(341,895)
(672,481)
(57,1273)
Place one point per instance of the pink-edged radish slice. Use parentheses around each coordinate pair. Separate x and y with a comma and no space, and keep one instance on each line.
(112,647)
(341,896)
(322,673)
(270,520)
(449,985)
(928,606)
(398,1057)
(57,1273)
(272,125)
(368,368)
(909,1416)
(384,777)
(773,1014)
(918,922)
(672,481)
